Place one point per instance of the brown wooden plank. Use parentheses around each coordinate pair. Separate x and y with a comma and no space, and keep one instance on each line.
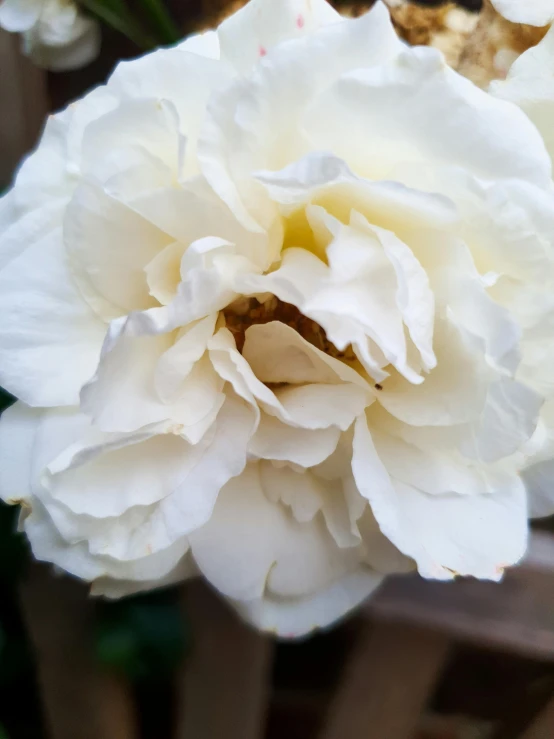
(224,689)
(24,105)
(515,615)
(543,725)
(388,681)
(81,701)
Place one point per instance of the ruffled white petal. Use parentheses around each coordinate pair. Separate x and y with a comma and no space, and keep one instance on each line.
(252,31)
(50,339)
(297,617)
(533,12)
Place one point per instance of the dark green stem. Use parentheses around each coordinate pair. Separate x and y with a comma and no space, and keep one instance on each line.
(161,20)
(116,15)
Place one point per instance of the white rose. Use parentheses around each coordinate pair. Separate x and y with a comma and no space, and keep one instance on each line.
(533,12)
(56,35)
(247,307)
(530,85)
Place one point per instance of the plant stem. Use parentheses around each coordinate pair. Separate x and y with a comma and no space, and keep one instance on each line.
(161,20)
(121,21)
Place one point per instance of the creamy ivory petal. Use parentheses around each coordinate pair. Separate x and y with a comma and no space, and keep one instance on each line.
(129,129)
(254,123)
(278,441)
(388,125)
(538,481)
(297,617)
(301,491)
(533,12)
(250,544)
(306,494)
(311,406)
(508,421)
(49,338)
(452,393)
(376,282)
(322,178)
(113,588)
(18,426)
(176,74)
(110,245)
(106,478)
(128,389)
(49,546)
(191,211)
(177,362)
(436,473)
(75,558)
(247,35)
(143,530)
(379,552)
(446,535)
(277,353)
(204,44)
(530,86)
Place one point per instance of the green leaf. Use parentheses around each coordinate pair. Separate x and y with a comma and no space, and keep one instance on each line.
(160,19)
(117,15)
(117,647)
(144,636)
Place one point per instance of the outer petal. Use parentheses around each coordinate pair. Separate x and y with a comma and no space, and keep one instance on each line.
(204,44)
(446,535)
(389,112)
(533,12)
(453,392)
(250,543)
(297,617)
(49,338)
(18,426)
(530,85)
(75,558)
(110,245)
(278,441)
(144,379)
(249,33)
(255,123)
(187,79)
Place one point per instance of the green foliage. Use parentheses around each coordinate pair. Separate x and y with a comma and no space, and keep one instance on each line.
(5,399)
(150,27)
(144,637)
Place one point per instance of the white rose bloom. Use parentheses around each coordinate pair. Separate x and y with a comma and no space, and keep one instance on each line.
(246,297)
(530,294)
(56,35)
(533,12)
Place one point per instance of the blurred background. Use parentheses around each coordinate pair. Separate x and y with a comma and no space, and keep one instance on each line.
(423,660)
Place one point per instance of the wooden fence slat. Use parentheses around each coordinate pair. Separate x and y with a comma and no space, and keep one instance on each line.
(543,726)
(225,685)
(514,615)
(80,699)
(388,680)
(24,104)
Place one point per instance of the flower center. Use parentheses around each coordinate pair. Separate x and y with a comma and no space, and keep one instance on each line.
(246,312)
